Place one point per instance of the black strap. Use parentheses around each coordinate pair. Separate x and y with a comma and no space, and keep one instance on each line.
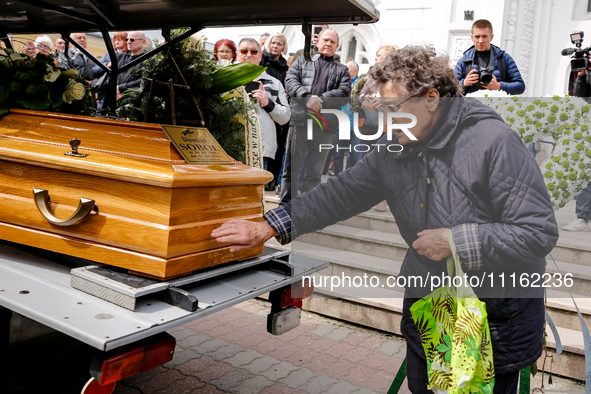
(501,66)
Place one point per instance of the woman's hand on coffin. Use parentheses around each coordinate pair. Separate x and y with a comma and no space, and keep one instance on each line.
(243,234)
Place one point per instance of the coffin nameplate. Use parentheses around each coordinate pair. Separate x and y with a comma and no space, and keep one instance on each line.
(197,145)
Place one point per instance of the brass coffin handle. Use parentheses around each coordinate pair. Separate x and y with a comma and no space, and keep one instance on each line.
(42,201)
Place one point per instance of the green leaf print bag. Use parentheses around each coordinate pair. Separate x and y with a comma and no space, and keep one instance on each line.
(453,326)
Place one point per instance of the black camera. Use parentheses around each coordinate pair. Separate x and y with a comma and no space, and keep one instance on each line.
(484,75)
(579,57)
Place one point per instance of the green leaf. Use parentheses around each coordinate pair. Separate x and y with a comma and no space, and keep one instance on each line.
(445,348)
(36,103)
(234,75)
(473,349)
(534,369)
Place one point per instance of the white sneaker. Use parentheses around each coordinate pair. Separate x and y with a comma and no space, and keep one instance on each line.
(577,225)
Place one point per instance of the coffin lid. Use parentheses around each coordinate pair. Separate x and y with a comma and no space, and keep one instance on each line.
(122,150)
(56,16)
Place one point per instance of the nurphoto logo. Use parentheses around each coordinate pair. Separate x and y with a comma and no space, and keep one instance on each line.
(344,133)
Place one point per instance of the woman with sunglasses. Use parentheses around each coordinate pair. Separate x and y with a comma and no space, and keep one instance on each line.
(462,175)
(224,50)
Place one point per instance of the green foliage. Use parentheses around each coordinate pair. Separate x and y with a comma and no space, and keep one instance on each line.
(221,116)
(233,76)
(37,83)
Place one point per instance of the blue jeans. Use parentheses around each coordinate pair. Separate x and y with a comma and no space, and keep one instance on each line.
(349,148)
(583,207)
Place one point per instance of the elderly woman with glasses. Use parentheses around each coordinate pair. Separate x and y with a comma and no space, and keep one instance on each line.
(224,50)
(462,174)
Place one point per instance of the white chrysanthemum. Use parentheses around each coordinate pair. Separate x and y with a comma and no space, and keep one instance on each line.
(560,119)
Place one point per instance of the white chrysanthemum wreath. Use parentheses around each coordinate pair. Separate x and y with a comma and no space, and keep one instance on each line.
(563,120)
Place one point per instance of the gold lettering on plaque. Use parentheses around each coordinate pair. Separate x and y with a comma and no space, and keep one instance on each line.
(197,145)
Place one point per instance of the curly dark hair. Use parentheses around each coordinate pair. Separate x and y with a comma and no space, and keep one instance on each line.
(417,69)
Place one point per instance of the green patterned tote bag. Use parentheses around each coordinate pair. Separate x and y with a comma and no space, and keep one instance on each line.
(453,326)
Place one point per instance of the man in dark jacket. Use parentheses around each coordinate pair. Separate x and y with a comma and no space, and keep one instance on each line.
(309,84)
(135,48)
(79,60)
(465,174)
(482,58)
(582,88)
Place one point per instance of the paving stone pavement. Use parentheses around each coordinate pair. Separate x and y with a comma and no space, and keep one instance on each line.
(231,352)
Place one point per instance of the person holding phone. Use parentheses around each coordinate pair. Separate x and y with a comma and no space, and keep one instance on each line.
(270,99)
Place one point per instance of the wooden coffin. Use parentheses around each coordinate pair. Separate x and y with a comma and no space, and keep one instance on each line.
(152,213)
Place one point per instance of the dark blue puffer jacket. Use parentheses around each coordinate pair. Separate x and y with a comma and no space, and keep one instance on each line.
(514,83)
(474,171)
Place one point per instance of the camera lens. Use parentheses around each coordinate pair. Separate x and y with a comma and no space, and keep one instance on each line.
(485,76)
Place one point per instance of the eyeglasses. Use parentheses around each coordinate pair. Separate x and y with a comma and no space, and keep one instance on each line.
(130,39)
(394,107)
(223,52)
(252,51)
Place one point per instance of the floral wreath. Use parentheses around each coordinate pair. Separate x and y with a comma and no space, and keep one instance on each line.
(562,121)
(37,83)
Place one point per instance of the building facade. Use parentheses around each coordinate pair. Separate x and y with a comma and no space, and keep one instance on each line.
(533,32)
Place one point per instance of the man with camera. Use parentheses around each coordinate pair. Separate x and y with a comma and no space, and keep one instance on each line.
(486,66)
(582,88)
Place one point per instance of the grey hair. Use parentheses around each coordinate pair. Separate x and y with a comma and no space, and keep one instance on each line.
(417,69)
(355,63)
(325,30)
(251,40)
(43,40)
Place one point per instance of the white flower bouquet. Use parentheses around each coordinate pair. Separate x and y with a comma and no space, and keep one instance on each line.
(562,120)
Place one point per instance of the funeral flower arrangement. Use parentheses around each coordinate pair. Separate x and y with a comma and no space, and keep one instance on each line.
(214,99)
(37,83)
(562,121)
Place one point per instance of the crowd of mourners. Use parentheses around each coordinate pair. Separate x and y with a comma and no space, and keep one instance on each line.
(127,47)
(281,81)
(288,81)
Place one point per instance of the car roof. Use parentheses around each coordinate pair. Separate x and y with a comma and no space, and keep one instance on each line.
(65,16)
